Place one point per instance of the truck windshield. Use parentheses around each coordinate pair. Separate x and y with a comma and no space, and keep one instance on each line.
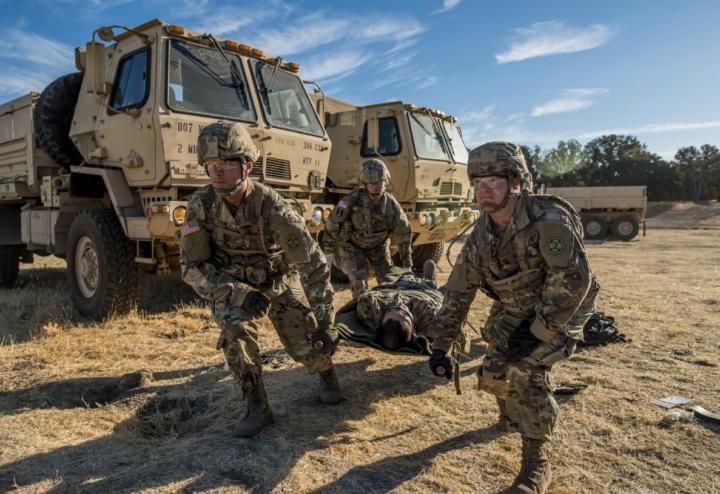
(426,137)
(284,100)
(201,81)
(457,145)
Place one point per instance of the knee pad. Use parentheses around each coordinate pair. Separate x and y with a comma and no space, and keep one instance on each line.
(491,382)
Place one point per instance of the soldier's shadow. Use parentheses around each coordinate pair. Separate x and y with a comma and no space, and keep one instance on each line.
(181,435)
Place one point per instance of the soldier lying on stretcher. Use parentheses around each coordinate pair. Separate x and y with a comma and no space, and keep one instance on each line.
(396,315)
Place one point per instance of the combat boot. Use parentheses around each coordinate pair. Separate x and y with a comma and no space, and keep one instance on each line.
(535,476)
(258,413)
(430,271)
(330,393)
(503,422)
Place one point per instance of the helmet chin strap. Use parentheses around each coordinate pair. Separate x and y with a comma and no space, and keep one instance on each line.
(489,207)
(238,184)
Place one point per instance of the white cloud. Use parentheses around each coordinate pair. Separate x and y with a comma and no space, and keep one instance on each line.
(325,67)
(29,47)
(429,81)
(15,82)
(319,29)
(224,20)
(570,100)
(478,116)
(653,128)
(447,5)
(32,61)
(553,37)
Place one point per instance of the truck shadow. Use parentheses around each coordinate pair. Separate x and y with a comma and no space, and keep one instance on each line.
(41,297)
(179,436)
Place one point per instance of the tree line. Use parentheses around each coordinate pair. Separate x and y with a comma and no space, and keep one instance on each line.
(692,175)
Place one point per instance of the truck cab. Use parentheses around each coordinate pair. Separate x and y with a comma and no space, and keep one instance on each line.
(98,167)
(425,155)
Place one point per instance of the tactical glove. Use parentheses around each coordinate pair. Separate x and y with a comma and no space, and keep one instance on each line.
(325,340)
(256,304)
(440,364)
(521,342)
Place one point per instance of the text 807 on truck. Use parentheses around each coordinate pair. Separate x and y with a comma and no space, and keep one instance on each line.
(96,169)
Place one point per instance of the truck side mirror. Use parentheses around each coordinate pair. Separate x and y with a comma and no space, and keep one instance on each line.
(95,68)
(372,133)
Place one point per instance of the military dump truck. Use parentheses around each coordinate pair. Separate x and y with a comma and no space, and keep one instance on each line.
(96,169)
(425,155)
(616,211)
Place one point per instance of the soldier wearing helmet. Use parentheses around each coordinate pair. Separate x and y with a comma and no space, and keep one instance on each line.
(361,228)
(526,253)
(248,252)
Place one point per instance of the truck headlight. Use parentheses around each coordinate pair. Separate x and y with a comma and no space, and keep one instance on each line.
(317,216)
(178,215)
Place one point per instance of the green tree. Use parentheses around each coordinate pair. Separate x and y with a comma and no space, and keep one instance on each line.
(564,159)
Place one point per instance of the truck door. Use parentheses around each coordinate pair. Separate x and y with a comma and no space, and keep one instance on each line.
(382,138)
(125,130)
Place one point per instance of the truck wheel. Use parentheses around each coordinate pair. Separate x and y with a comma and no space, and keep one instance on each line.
(595,227)
(9,265)
(625,227)
(53,114)
(104,278)
(422,253)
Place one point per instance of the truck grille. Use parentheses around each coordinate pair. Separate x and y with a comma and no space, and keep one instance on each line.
(451,188)
(275,168)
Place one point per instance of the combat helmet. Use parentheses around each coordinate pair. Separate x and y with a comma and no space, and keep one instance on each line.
(373,171)
(225,141)
(499,158)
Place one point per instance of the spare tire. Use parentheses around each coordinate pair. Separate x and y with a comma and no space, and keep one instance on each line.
(53,116)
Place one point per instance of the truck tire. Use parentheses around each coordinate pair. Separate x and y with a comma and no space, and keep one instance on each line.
(104,279)
(625,227)
(53,114)
(9,265)
(594,227)
(425,252)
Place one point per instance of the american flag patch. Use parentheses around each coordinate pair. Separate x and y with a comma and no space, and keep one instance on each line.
(342,204)
(189,229)
(459,259)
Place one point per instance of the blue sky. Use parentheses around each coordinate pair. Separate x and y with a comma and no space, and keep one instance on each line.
(529,71)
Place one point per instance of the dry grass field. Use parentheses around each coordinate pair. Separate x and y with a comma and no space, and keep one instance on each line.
(70,423)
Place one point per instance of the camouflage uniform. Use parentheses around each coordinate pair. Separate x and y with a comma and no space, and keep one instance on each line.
(263,245)
(359,234)
(229,253)
(537,272)
(420,297)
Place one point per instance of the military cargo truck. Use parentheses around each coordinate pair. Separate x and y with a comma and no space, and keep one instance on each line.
(615,211)
(425,155)
(96,169)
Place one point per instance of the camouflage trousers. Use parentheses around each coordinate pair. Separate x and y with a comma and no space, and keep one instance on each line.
(525,384)
(356,263)
(294,321)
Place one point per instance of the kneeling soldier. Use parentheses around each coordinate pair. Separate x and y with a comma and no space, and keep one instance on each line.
(526,253)
(359,230)
(248,252)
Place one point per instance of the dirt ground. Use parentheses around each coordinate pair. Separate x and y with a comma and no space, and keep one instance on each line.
(71,420)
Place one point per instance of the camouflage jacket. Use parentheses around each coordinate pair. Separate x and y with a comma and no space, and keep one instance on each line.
(357,220)
(536,269)
(261,245)
(421,299)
